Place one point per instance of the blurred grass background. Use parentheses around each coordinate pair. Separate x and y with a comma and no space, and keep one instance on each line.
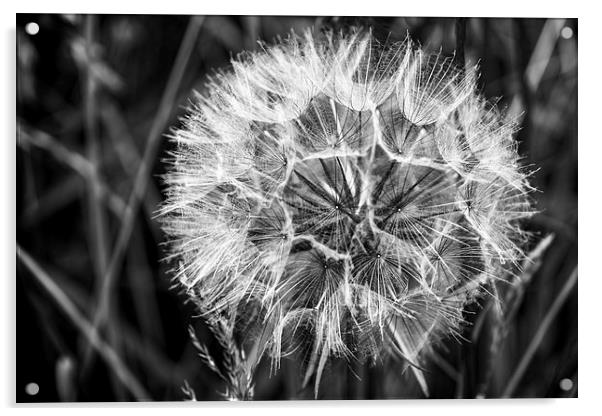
(96,94)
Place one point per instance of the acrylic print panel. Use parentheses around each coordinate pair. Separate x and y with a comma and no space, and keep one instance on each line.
(286,208)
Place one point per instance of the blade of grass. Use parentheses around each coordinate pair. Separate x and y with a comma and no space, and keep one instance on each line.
(96,216)
(542,53)
(444,365)
(143,289)
(104,350)
(539,334)
(252,25)
(27,136)
(530,266)
(151,357)
(97,229)
(460,31)
(144,170)
(96,221)
(79,163)
(516,292)
(128,155)
(61,195)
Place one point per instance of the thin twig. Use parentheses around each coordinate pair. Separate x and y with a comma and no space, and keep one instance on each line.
(540,333)
(85,327)
(144,170)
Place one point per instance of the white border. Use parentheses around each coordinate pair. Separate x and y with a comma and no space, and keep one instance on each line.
(467,8)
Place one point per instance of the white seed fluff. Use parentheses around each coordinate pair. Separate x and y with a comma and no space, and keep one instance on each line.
(347,196)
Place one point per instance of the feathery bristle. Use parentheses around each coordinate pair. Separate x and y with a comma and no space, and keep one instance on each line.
(361,193)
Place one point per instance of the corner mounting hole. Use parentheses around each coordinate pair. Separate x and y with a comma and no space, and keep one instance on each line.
(566,32)
(566,384)
(32,389)
(32,28)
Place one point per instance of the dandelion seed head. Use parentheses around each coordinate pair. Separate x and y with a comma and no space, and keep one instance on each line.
(356,195)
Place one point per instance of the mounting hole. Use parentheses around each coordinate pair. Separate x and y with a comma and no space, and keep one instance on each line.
(566,384)
(32,28)
(566,33)
(32,389)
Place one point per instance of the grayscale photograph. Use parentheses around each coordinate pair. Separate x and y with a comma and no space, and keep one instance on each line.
(277,208)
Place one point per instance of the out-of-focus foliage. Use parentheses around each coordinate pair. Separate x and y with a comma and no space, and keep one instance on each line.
(94,92)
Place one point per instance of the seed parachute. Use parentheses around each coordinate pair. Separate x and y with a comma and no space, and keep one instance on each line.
(333,195)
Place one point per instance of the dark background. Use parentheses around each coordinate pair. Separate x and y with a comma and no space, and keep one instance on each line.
(93,92)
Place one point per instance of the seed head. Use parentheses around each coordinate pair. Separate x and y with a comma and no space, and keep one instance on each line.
(346,196)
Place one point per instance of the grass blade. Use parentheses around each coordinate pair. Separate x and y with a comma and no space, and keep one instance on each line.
(85,327)
(540,333)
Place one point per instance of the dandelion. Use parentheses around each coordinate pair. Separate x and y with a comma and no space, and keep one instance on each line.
(332,195)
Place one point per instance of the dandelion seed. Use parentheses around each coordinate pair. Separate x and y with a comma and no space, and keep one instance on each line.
(354,195)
